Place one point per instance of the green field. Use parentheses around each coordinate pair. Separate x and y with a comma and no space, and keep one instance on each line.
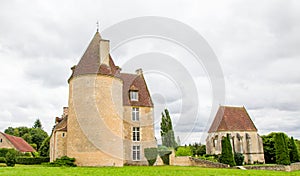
(21,170)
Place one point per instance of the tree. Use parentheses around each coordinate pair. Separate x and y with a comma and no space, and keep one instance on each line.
(37,124)
(269,148)
(166,132)
(227,155)
(294,155)
(282,151)
(38,136)
(44,149)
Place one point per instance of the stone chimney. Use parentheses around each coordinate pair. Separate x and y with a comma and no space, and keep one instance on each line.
(65,112)
(139,71)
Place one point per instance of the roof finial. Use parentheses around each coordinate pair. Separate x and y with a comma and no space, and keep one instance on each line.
(97,26)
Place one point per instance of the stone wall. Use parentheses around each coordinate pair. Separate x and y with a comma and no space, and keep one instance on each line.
(292,167)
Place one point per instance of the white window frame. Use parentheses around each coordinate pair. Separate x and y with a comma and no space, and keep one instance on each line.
(135,114)
(134,95)
(136,134)
(136,152)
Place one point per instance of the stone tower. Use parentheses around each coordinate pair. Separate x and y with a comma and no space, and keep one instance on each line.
(109,121)
(95,117)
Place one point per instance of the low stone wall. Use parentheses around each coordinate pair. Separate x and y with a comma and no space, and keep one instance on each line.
(189,161)
(292,167)
(273,168)
(206,163)
(295,166)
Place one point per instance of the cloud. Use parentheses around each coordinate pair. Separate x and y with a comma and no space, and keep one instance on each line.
(257,43)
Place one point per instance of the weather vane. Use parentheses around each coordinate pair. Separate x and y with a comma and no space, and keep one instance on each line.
(97,26)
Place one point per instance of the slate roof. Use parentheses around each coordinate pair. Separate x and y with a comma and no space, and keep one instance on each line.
(19,143)
(90,61)
(230,118)
(137,83)
(90,64)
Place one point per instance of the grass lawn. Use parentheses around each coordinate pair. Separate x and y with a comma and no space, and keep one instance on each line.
(20,170)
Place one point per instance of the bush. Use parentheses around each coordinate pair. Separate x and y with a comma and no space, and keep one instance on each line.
(63,161)
(31,161)
(281,148)
(184,151)
(164,154)
(227,155)
(10,158)
(2,160)
(239,159)
(151,155)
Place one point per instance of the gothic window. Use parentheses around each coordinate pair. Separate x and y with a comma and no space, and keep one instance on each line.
(134,95)
(136,153)
(135,114)
(136,134)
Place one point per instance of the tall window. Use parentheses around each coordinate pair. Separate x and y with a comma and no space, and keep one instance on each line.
(136,133)
(135,114)
(134,95)
(136,153)
(1,140)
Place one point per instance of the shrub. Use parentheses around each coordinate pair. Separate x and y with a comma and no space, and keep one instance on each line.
(151,155)
(63,161)
(227,156)
(2,160)
(239,159)
(164,154)
(31,161)
(294,156)
(10,158)
(184,151)
(281,147)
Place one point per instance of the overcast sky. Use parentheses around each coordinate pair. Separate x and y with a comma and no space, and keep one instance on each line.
(256,43)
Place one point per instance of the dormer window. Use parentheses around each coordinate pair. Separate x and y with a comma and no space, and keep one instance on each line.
(134,95)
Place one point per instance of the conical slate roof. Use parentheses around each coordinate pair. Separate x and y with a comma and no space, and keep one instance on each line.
(90,61)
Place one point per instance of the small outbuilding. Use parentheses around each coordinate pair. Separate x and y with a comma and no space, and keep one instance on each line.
(244,138)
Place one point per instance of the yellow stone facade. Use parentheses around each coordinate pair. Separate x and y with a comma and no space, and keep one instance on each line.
(98,124)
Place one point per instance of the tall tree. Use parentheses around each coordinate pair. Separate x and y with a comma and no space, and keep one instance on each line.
(44,149)
(282,151)
(294,155)
(166,130)
(269,148)
(227,155)
(37,124)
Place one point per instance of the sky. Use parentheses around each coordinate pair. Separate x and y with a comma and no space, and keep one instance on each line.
(256,44)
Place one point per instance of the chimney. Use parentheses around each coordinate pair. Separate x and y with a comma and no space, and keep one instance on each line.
(139,71)
(65,112)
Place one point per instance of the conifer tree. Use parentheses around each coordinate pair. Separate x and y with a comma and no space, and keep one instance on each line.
(294,155)
(282,151)
(166,132)
(227,155)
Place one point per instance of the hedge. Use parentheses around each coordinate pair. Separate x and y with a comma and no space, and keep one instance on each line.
(31,160)
(2,160)
(151,155)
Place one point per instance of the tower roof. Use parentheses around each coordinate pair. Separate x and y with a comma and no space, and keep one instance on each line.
(230,118)
(90,61)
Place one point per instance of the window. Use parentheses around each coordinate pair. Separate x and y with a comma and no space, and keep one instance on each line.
(63,135)
(136,153)
(135,114)
(1,140)
(134,96)
(136,133)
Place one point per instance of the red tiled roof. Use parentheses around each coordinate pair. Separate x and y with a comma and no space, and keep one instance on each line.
(19,143)
(138,82)
(232,119)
